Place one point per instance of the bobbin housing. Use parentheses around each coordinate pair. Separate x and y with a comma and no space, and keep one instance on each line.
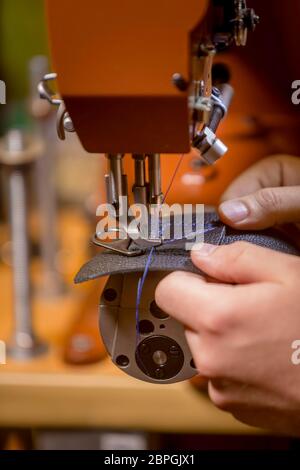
(151,347)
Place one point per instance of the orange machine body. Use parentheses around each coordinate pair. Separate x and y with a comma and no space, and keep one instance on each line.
(115,62)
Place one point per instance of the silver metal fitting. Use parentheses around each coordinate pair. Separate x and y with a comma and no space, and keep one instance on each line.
(64,121)
(155,350)
(217,147)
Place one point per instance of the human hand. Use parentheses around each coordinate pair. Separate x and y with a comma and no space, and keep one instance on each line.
(265,195)
(241,331)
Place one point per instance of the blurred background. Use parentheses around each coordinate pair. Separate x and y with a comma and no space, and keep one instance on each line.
(58,389)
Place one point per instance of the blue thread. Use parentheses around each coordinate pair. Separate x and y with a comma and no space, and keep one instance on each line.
(209,227)
(140,291)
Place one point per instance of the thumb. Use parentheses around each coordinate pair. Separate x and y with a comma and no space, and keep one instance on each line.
(243,263)
(262,209)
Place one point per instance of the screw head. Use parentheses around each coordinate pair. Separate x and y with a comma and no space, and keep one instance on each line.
(145,349)
(174,351)
(159,373)
(68,123)
(180,82)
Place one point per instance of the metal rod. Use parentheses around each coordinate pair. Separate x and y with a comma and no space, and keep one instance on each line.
(53,284)
(23,344)
(20,252)
(139,170)
(155,178)
(115,174)
(140,186)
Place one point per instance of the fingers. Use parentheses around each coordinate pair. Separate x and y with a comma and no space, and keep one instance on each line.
(188,298)
(209,363)
(205,307)
(266,194)
(272,172)
(215,309)
(243,263)
(262,209)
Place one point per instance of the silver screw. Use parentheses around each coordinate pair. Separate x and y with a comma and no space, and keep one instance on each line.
(24,344)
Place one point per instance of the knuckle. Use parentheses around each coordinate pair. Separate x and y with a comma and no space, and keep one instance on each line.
(220,399)
(161,291)
(267,163)
(169,287)
(283,159)
(208,365)
(218,321)
(268,199)
(231,256)
(240,248)
(237,250)
(167,284)
(199,323)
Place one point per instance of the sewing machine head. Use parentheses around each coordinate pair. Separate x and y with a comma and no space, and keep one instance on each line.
(138,78)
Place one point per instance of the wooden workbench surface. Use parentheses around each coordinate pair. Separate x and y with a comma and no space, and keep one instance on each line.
(46,392)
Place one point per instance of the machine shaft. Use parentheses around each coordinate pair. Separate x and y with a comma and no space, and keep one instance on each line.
(155,178)
(116,181)
(23,344)
(140,187)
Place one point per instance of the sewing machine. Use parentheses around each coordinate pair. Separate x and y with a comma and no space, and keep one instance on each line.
(140,79)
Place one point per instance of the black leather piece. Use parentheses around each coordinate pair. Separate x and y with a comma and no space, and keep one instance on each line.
(172,256)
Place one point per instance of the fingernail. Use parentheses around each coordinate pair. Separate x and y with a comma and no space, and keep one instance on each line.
(204,249)
(236,211)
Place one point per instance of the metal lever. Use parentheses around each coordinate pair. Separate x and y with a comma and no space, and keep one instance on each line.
(129,246)
(64,121)
(45,91)
(206,141)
